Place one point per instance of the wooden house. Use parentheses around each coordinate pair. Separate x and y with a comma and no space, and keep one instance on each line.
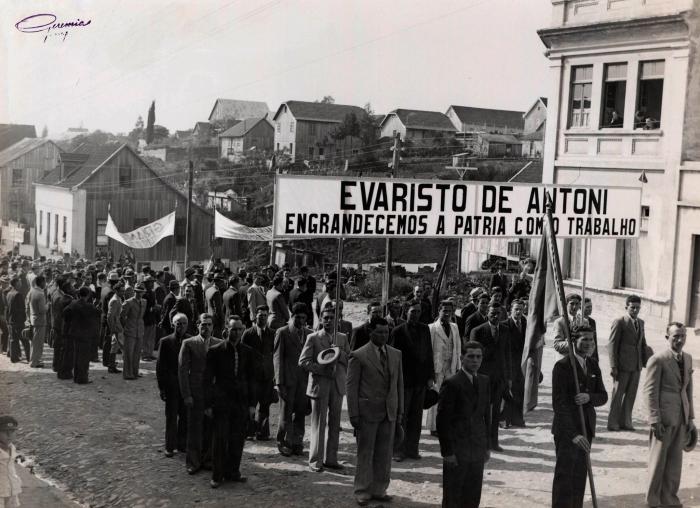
(21,165)
(73,200)
(421,127)
(231,109)
(257,133)
(11,133)
(535,121)
(469,120)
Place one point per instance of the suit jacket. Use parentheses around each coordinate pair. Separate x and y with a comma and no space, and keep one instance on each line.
(416,348)
(516,343)
(567,422)
(165,319)
(321,376)
(472,322)
(167,364)
(81,321)
(360,336)
(496,364)
(225,388)
(466,311)
(464,417)
(233,305)
(131,317)
(500,281)
(114,311)
(184,306)
(59,302)
(439,341)
(626,347)
(105,296)
(288,345)
(279,312)
(16,312)
(262,342)
(192,361)
(373,394)
(256,297)
(151,316)
(37,306)
(669,394)
(215,306)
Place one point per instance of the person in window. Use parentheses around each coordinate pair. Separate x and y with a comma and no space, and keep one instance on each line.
(639,118)
(650,124)
(615,119)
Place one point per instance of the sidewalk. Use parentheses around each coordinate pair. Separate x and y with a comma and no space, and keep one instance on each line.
(37,493)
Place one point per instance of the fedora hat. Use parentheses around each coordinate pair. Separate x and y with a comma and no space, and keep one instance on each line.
(691,440)
(139,287)
(431,398)
(328,356)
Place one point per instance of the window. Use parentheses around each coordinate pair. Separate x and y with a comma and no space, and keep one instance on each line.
(279,127)
(311,152)
(312,129)
(124,176)
(180,230)
(581,87)
(41,221)
(629,264)
(649,93)
(55,229)
(614,87)
(65,229)
(291,126)
(231,151)
(644,224)
(102,240)
(291,147)
(17,177)
(320,151)
(573,253)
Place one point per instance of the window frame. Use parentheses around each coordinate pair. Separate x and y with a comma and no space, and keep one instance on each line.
(603,121)
(621,255)
(573,86)
(640,78)
(101,240)
(64,236)
(18,182)
(125,181)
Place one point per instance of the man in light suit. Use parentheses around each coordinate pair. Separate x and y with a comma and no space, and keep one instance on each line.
(668,389)
(375,408)
(131,318)
(279,312)
(627,349)
(573,305)
(326,389)
(463,422)
(290,382)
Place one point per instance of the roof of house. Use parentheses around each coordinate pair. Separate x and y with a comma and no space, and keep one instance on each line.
(501,138)
(202,125)
(492,117)
(12,133)
(20,148)
(230,108)
(530,173)
(186,133)
(318,111)
(542,100)
(427,120)
(537,135)
(242,128)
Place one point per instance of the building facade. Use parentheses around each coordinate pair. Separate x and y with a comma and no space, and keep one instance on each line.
(421,127)
(252,133)
(534,127)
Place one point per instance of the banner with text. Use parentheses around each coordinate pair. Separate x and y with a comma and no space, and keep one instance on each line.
(308,207)
(227,228)
(144,237)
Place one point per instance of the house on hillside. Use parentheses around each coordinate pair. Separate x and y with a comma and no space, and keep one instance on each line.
(421,127)
(251,133)
(468,120)
(494,145)
(11,133)
(72,202)
(230,109)
(203,134)
(22,164)
(534,123)
(305,130)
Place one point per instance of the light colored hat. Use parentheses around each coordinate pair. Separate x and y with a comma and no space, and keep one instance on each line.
(328,356)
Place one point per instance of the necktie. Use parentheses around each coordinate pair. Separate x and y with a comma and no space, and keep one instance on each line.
(382,357)
(519,325)
(235,362)
(636,326)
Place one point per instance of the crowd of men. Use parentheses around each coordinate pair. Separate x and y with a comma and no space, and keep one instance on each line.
(231,345)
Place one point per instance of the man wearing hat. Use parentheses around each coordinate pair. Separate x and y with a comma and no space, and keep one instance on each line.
(10,482)
(326,389)
(4,330)
(167,306)
(131,319)
(60,300)
(167,276)
(468,309)
(668,390)
(215,304)
(105,296)
(81,321)
(150,318)
(38,309)
(16,316)
(115,328)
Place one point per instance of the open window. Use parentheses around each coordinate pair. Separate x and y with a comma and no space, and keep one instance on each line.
(614,88)
(650,91)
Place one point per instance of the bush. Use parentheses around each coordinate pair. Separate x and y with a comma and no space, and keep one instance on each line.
(371,287)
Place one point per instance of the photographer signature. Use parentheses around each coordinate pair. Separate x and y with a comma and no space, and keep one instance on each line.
(46,22)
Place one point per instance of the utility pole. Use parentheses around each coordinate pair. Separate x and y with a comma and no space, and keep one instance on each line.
(386,287)
(189,214)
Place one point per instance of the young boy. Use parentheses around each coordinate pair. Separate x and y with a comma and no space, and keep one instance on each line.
(10,483)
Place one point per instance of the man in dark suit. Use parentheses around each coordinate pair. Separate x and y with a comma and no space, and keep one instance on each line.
(514,328)
(375,406)
(587,310)
(16,316)
(299,294)
(59,301)
(290,382)
(413,340)
(277,303)
(477,318)
(468,310)
(230,400)
(499,279)
(496,365)
(261,339)
(463,422)
(105,296)
(233,305)
(215,305)
(627,349)
(166,323)
(81,322)
(186,304)
(573,443)
(360,334)
(169,386)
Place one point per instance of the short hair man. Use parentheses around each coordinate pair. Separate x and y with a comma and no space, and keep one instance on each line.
(573,305)
(360,334)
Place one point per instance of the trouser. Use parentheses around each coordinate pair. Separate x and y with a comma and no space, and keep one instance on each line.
(38,345)
(413,398)
(325,409)
(5,336)
(262,413)
(15,340)
(132,358)
(175,421)
(290,430)
(375,441)
(83,349)
(227,443)
(149,341)
(106,343)
(59,348)
(513,411)
(622,401)
(665,464)
(198,435)
(570,474)
(67,359)
(95,345)
(116,344)
(496,386)
(461,484)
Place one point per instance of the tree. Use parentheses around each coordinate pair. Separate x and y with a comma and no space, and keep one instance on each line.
(137,132)
(368,127)
(160,133)
(327,99)
(139,123)
(151,122)
(45,132)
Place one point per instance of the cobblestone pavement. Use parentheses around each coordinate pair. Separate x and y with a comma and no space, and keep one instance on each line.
(103,443)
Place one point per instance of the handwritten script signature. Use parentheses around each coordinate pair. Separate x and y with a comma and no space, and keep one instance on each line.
(46,23)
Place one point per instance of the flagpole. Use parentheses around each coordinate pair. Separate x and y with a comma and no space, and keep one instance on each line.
(556,269)
(172,252)
(584,270)
(339,281)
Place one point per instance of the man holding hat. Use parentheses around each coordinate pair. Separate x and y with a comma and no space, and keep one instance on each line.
(131,319)
(668,390)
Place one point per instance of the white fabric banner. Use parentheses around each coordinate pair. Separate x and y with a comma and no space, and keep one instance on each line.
(144,237)
(227,228)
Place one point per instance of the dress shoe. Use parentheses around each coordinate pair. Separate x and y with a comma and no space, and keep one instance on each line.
(284,450)
(386,498)
(214,484)
(414,457)
(40,366)
(129,378)
(169,453)
(363,502)
(139,375)
(333,465)
(613,429)
(315,469)
(496,448)
(194,470)
(298,450)
(629,429)
(114,370)
(399,458)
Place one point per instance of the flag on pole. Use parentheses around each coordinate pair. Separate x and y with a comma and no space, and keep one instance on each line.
(542,307)
(227,228)
(144,237)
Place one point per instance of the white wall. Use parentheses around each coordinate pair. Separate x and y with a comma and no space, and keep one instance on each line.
(54,201)
(391,124)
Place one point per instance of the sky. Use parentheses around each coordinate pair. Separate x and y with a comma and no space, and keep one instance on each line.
(184,55)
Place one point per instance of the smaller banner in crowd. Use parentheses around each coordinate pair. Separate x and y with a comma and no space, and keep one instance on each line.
(144,237)
(227,228)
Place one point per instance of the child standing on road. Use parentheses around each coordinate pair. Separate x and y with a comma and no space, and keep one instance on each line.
(10,483)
